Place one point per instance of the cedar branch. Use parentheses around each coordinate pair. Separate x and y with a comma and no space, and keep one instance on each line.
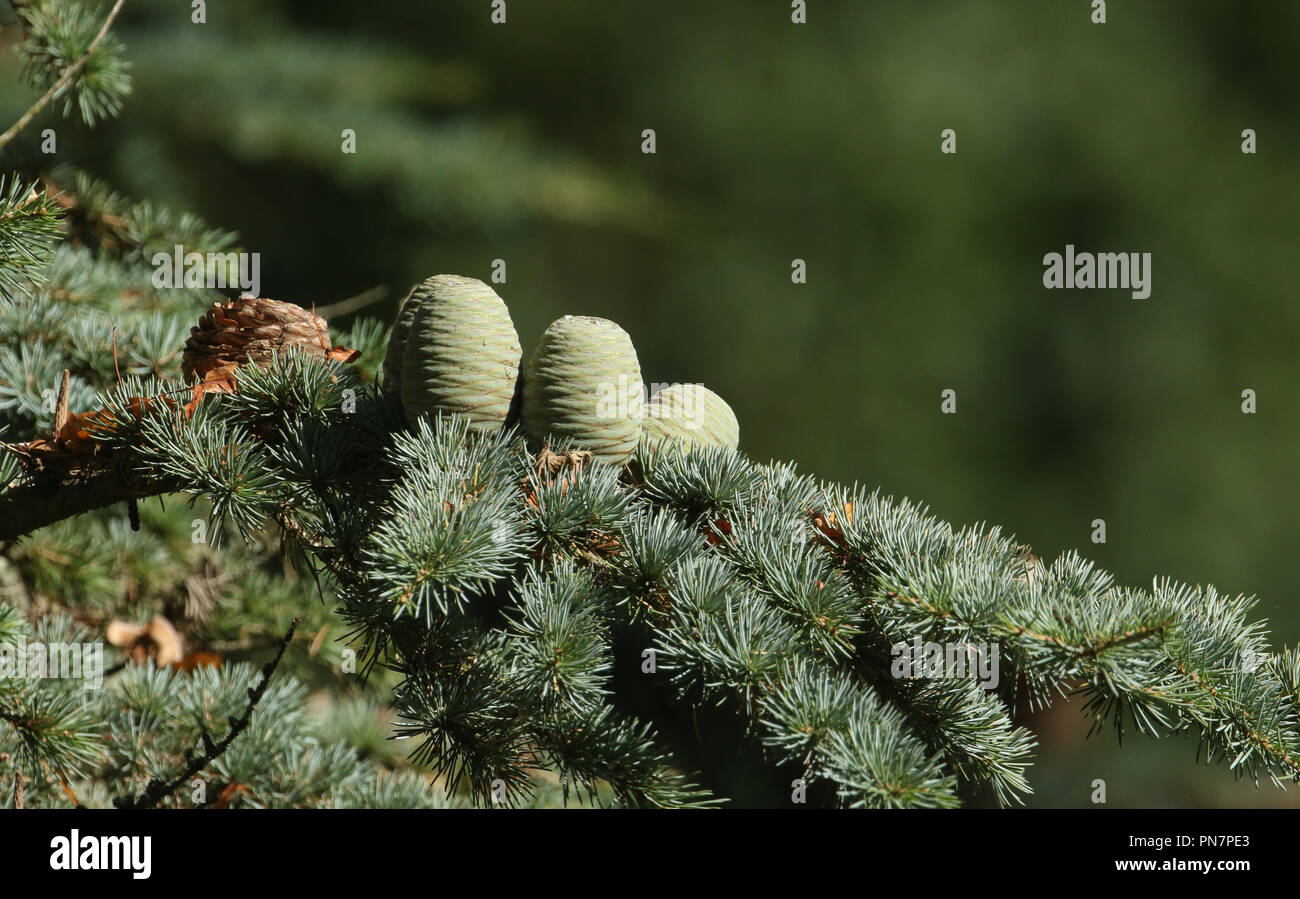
(64,80)
(157,789)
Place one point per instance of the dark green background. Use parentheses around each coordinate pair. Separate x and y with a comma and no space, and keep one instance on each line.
(819,142)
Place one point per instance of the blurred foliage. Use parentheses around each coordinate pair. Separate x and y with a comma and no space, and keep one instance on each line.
(821,142)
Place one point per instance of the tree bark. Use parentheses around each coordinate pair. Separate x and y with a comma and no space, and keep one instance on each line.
(25,509)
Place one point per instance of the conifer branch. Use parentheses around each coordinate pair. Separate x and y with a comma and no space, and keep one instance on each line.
(55,497)
(157,789)
(63,81)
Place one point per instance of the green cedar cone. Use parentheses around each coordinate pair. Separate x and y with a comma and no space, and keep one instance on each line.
(691,413)
(583,383)
(397,339)
(461,353)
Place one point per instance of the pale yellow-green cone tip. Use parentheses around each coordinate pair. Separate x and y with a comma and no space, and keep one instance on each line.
(693,414)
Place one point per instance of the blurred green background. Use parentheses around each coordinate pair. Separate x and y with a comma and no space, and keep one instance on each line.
(820,142)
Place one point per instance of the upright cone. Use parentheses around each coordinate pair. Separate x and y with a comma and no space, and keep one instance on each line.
(393,359)
(461,353)
(691,413)
(583,382)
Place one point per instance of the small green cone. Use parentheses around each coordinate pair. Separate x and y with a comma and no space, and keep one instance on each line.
(461,353)
(691,413)
(583,382)
(397,340)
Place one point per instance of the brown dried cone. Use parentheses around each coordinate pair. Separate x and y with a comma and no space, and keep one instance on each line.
(251,330)
(230,334)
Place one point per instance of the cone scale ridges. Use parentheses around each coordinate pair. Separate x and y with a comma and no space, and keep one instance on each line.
(693,414)
(583,383)
(461,353)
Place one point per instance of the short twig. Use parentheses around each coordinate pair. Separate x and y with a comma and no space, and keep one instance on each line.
(157,789)
(64,80)
(6,759)
(352,304)
(61,404)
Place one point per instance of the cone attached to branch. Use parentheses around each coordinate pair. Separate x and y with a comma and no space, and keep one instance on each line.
(693,414)
(460,353)
(583,383)
(250,330)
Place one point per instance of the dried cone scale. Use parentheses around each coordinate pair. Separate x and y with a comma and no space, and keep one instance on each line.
(250,330)
(461,353)
(691,413)
(583,382)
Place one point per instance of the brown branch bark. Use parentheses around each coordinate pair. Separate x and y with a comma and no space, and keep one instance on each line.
(27,508)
